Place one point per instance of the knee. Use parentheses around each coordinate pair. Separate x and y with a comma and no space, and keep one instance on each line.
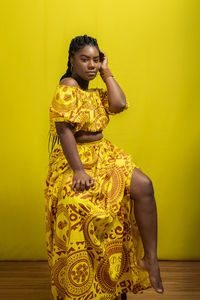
(141,186)
(146,187)
(147,184)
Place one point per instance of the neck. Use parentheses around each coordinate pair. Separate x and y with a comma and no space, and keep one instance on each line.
(81,82)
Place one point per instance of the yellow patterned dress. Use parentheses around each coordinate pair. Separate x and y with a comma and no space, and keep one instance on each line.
(93,242)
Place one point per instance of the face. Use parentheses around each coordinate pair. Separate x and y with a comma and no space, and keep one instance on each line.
(86,62)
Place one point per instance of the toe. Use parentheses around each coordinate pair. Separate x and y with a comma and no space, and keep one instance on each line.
(157,285)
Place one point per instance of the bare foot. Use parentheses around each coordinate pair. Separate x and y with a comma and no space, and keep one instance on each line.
(151,265)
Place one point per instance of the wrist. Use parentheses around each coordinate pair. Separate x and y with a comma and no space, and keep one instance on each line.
(105,72)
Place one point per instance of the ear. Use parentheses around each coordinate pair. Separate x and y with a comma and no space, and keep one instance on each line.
(71,61)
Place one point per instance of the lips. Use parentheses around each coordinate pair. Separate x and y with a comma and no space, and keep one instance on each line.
(92,73)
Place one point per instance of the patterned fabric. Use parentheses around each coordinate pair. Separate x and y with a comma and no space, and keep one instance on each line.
(86,111)
(93,242)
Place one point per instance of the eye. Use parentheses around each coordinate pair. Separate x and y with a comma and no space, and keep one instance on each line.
(84,59)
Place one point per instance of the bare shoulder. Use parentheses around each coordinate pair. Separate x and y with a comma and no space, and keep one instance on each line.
(69,82)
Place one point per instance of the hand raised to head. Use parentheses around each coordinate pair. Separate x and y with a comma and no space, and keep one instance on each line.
(103,59)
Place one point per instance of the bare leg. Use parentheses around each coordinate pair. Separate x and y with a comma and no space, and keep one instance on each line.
(142,192)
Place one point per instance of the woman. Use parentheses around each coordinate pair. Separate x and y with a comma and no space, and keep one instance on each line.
(101,218)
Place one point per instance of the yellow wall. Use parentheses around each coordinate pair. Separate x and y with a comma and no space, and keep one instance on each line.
(153,51)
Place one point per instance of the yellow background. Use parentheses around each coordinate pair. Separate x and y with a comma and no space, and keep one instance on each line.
(153,52)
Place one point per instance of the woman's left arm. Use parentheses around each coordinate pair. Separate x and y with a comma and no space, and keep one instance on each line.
(117,98)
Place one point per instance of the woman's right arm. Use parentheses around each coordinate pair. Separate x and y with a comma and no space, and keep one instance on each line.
(81,179)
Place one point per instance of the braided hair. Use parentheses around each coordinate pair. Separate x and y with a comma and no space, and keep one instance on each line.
(76,44)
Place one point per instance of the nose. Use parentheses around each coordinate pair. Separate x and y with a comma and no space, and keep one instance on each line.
(91,64)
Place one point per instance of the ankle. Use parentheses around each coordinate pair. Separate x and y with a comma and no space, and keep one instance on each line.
(152,256)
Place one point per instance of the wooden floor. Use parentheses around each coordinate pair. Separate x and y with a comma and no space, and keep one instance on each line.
(27,280)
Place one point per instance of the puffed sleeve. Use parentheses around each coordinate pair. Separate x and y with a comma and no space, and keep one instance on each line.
(66,106)
(104,99)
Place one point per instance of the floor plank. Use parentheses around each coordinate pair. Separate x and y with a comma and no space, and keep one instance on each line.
(181,280)
(30,280)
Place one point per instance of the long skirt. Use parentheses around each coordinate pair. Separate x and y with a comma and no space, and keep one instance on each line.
(93,242)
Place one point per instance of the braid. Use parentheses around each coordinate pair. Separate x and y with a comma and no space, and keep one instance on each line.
(76,44)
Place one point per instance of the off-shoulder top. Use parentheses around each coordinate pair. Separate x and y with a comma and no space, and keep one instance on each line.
(87,111)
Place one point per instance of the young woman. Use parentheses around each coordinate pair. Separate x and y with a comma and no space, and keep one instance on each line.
(101,216)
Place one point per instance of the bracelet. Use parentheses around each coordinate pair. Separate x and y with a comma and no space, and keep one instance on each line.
(105,73)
